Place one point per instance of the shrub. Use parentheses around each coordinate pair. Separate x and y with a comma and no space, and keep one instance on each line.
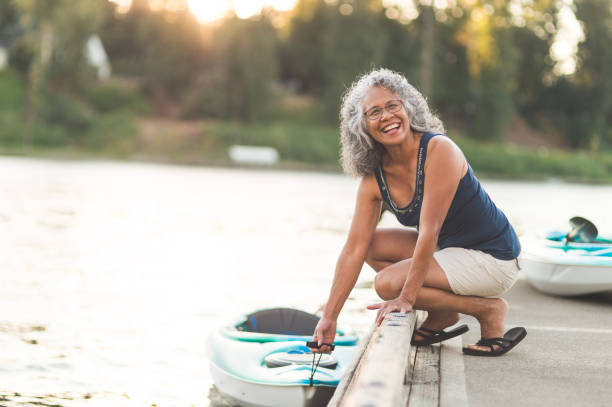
(11,128)
(294,141)
(12,90)
(109,98)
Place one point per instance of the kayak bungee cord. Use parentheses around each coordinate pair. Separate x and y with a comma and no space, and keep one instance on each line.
(314,367)
(315,345)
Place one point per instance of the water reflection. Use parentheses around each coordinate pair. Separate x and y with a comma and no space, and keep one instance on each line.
(113,274)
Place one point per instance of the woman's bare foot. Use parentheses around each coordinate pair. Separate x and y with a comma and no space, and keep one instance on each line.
(492,320)
(437,321)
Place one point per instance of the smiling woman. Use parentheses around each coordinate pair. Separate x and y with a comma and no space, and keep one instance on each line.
(460,252)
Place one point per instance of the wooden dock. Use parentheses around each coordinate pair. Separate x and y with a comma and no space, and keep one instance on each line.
(387,371)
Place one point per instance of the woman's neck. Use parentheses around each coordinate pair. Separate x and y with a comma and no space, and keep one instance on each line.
(404,153)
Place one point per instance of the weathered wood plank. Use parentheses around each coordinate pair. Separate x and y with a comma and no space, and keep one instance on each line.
(425,380)
(379,375)
(409,372)
(344,385)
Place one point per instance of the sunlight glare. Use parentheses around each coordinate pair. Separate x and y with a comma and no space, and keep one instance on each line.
(245,9)
(248,8)
(123,6)
(565,44)
(209,11)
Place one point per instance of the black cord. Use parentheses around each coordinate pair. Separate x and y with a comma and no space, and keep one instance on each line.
(314,367)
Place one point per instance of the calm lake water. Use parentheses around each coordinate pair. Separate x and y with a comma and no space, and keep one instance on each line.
(112,275)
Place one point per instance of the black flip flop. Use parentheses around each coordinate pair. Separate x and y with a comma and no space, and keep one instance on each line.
(498,346)
(430,336)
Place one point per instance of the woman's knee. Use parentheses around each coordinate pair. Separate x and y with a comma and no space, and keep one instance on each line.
(374,256)
(385,286)
(380,286)
(390,245)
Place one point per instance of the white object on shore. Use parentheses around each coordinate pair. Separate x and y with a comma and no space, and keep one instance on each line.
(97,57)
(3,57)
(253,155)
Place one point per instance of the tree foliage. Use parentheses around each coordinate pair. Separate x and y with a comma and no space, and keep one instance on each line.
(480,63)
(592,121)
(238,81)
(47,40)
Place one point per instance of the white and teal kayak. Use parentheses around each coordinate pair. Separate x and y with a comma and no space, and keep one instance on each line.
(555,266)
(262,360)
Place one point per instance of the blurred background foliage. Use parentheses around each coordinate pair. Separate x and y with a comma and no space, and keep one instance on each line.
(497,71)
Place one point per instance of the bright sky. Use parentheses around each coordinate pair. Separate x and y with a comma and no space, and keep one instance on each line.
(210,10)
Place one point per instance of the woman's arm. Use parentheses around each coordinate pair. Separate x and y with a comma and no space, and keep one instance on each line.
(444,168)
(352,256)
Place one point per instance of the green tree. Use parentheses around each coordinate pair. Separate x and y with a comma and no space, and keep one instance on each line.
(162,48)
(404,45)
(8,20)
(490,55)
(591,123)
(452,84)
(302,56)
(239,85)
(51,54)
(355,44)
(331,43)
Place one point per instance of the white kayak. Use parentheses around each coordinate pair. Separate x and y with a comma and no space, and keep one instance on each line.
(555,266)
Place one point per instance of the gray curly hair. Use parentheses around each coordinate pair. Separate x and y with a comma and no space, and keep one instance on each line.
(361,154)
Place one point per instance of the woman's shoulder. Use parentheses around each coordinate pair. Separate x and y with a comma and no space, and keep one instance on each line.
(437,138)
(369,186)
(442,151)
(440,144)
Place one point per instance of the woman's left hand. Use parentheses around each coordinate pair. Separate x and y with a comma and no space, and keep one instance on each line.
(399,304)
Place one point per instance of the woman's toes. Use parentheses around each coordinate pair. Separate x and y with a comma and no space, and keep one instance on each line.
(482,348)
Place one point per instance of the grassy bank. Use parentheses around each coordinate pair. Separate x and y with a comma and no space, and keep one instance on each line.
(98,120)
(319,145)
(315,147)
(519,162)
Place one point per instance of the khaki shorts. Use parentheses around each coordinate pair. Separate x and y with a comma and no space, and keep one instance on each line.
(472,272)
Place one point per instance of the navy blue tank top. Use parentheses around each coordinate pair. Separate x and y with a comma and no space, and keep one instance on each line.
(472,222)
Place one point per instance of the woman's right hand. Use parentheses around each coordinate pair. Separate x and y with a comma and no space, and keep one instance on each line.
(325,332)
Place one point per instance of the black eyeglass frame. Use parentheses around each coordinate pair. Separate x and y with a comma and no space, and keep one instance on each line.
(373,116)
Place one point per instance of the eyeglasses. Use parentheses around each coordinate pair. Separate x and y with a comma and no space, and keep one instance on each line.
(374,113)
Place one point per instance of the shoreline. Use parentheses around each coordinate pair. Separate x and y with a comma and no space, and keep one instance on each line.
(68,155)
